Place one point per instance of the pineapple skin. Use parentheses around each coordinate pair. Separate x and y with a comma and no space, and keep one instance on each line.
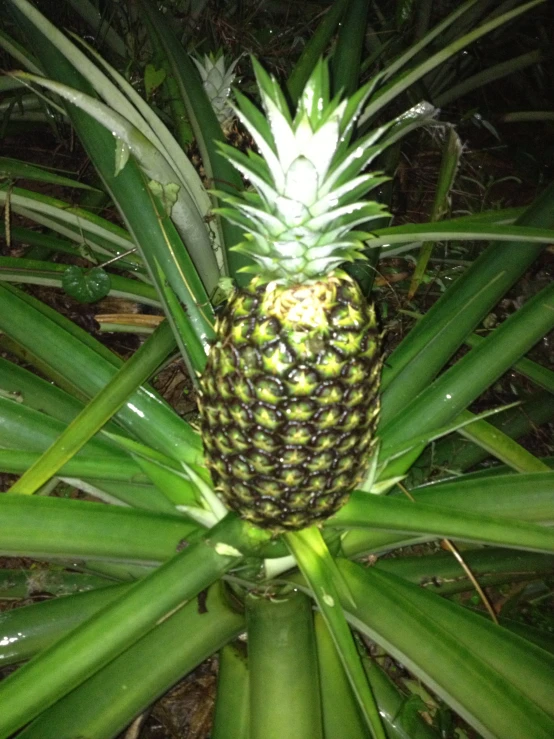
(289,400)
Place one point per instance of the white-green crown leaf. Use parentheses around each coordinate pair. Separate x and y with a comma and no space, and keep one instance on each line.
(309,182)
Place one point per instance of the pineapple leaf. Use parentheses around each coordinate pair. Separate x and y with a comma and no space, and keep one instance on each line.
(270,89)
(253,115)
(328,587)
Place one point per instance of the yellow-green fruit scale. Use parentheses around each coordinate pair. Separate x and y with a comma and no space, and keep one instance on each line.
(289,400)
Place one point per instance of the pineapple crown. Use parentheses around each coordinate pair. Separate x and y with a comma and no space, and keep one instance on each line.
(307,180)
(217,80)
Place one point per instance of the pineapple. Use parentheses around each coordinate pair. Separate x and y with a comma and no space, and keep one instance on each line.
(217,80)
(289,397)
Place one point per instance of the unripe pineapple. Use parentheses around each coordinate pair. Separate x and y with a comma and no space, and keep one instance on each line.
(289,395)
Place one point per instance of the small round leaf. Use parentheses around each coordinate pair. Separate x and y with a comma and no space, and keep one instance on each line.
(86,287)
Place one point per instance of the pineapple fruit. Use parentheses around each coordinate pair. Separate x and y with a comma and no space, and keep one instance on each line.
(289,396)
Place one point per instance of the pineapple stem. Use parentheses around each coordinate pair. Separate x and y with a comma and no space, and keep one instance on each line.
(329,589)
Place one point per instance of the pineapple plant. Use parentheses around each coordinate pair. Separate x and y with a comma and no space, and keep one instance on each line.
(289,396)
(175,577)
(217,79)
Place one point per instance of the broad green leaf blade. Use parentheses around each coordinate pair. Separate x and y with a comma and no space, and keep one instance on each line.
(20,584)
(88,466)
(13,168)
(451,154)
(347,54)
(501,446)
(521,497)
(188,220)
(61,668)
(106,703)
(468,378)
(149,226)
(456,231)
(398,514)
(458,454)
(498,682)
(178,481)
(52,338)
(26,388)
(28,429)
(20,53)
(26,434)
(452,20)
(488,75)
(71,221)
(282,663)
(406,80)
(29,630)
(441,573)
(402,719)
(458,423)
(430,344)
(205,125)
(541,376)
(100,410)
(58,528)
(315,48)
(100,25)
(319,569)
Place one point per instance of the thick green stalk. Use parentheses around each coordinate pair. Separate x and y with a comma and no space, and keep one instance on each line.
(282,660)
(61,668)
(341,714)
(106,703)
(231,714)
(327,585)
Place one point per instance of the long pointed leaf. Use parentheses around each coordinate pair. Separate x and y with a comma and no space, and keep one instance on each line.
(107,702)
(65,665)
(503,684)
(392,513)
(319,568)
(52,338)
(436,337)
